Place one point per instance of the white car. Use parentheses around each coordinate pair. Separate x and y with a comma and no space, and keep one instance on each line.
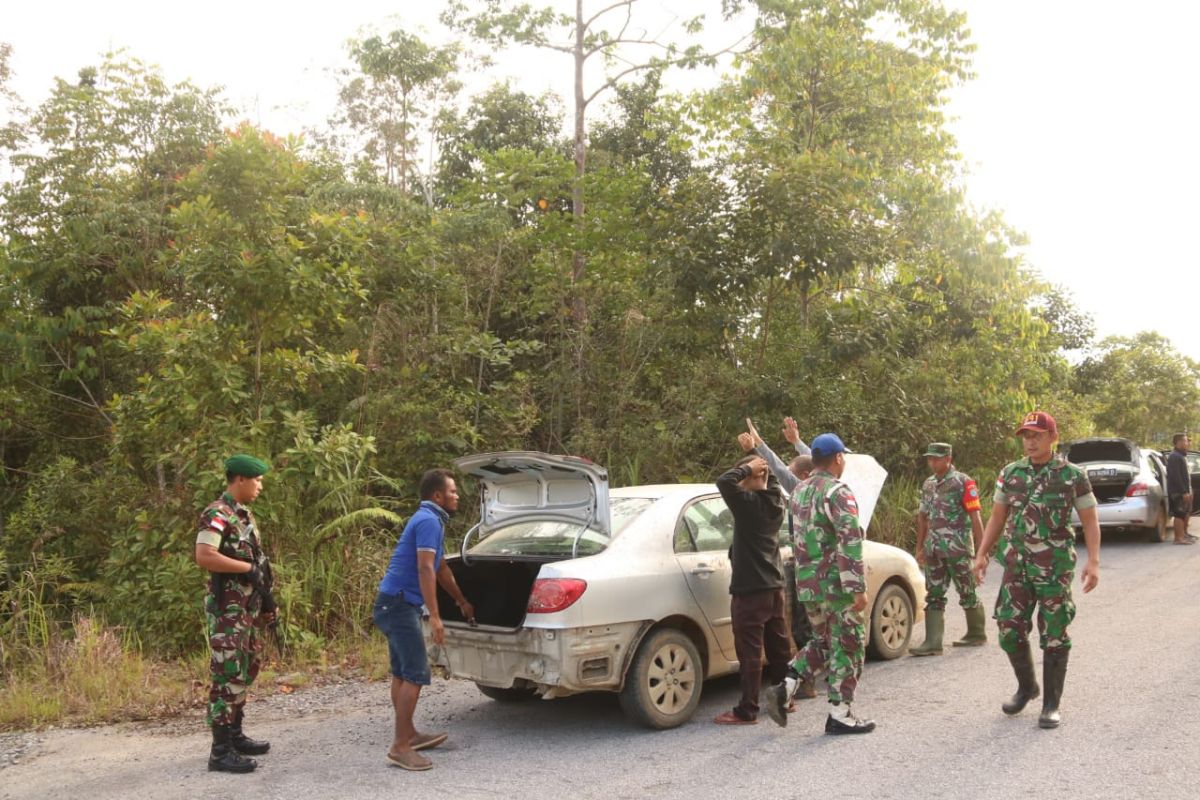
(580,588)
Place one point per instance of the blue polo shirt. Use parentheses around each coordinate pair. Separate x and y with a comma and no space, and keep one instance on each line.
(425,531)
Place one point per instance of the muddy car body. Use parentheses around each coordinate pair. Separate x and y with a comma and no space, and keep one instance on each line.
(581,588)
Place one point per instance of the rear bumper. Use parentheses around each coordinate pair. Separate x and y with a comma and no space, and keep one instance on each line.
(555,662)
(1132,512)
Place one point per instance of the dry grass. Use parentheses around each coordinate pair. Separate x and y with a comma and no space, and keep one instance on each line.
(99,676)
(95,677)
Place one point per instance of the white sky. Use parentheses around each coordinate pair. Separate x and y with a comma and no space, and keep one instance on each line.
(1078,127)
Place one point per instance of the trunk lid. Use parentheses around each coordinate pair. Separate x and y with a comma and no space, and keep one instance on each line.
(526,485)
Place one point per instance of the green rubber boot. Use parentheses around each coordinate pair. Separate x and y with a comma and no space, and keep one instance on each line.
(976,628)
(935,624)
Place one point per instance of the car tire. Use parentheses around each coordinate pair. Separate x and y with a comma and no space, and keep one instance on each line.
(1158,532)
(515,694)
(662,686)
(891,623)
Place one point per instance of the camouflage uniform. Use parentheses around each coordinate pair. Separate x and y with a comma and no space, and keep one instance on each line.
(1037,549)
(949,547)
(230,608)
(829,572)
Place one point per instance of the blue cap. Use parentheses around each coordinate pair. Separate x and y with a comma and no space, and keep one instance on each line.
(827,444)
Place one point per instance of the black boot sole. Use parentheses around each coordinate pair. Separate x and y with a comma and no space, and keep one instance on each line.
(238,769)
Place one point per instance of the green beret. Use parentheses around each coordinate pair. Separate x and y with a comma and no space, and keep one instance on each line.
(938,449)
(246,466)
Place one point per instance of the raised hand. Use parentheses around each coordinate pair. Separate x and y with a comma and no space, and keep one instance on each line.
(791,431)
(753,431)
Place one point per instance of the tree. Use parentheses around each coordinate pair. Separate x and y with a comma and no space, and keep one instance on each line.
(1143,388)
(398,84)
(501,118)
(584,36)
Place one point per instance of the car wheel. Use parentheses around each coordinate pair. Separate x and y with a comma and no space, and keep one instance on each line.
(891,623)
(1158,533)
(515,694)
(662,687)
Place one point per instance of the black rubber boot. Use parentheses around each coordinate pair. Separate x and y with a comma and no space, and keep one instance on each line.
(240,741)
(1027,688)
(223,758)
(1054,674)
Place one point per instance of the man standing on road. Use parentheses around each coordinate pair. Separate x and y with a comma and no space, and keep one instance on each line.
(789,477)
(413,575)
(756,604)
(830,581)
(238,599)
(946,549)
(1179,489)
(1032,506)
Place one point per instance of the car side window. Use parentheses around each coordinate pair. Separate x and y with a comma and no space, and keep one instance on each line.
(704,526)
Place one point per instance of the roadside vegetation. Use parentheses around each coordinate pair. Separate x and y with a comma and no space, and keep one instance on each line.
(176,285)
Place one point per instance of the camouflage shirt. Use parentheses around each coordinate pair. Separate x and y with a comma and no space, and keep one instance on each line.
(1038,532)
(229,526)
(947,504)
(828,541)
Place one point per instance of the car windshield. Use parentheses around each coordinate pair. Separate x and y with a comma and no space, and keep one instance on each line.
(555,538)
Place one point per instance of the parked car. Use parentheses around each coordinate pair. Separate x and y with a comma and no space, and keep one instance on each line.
(1193,459)
(1129,483)
(580,588)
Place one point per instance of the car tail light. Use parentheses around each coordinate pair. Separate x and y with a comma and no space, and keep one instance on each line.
(1137,490)
(554,594)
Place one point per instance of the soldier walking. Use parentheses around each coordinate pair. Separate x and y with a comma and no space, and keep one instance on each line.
(946,549)
(1032,507)
(831,583)
(238,599)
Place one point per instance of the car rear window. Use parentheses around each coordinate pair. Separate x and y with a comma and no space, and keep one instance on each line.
(1087,452)
(553,538)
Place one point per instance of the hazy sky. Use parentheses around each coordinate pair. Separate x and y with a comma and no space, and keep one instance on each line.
(1078,126)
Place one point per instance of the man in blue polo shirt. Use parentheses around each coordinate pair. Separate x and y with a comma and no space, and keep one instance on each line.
(411,581)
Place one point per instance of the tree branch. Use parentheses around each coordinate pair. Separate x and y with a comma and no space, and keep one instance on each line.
(628,8)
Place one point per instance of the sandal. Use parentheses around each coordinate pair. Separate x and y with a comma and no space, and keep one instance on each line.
(425,741)
(730,718)
(410,761)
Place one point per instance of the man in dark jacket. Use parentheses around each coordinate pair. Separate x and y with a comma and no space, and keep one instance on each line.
(752,494)
(1179,488)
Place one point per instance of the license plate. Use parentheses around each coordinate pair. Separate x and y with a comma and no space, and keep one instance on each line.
(1101,473)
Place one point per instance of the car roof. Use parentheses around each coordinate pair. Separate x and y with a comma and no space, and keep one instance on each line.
(657,491)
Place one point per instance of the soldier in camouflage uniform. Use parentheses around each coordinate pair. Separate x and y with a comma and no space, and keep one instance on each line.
(831,583)
(1032,506)
(238,599)
(948,532)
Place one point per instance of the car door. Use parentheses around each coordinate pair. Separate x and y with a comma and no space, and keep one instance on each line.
(703,535)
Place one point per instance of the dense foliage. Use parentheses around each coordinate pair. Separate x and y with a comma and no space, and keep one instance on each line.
(175,287)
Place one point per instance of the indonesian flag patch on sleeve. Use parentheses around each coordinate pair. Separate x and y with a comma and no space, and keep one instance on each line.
(970,496)
(217,524)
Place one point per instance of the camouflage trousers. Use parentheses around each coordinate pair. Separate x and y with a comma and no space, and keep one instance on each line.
(235,647)
(1019,593)
(941,569)
(836,646)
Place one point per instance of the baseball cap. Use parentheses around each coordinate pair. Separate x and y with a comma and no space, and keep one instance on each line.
(1039,421)
(827,444)
(938,449)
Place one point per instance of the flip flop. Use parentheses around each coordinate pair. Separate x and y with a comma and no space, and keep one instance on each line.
(425,741)
(410,761)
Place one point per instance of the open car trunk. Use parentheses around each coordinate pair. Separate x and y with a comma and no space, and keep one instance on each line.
(498,589)
(1110,464)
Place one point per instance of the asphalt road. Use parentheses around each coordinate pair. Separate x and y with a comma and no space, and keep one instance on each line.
(1131,709)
